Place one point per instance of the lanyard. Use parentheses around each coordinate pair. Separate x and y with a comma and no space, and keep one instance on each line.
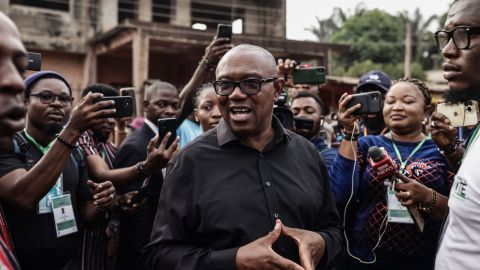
(471,140)
(403,164)
(41,148)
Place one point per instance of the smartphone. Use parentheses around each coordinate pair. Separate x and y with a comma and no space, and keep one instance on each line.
(34,61)
(130,92)
(371,102)
(313,75)
(460,114)
(123,106)
(224,31)
(166,125)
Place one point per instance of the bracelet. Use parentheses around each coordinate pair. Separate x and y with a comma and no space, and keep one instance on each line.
(431,205)
(141,170)
(62,140)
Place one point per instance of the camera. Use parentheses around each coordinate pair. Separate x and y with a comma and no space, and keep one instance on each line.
(371,103)
(460,114)
(282,112)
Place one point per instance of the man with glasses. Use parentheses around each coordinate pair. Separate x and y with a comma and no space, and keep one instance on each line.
(460,46)
(247,194)
(46,170)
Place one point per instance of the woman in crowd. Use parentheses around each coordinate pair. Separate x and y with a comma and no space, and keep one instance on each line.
(379,230)
(207,112)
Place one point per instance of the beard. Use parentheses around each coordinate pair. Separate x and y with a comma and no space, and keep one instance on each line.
(461,95)
(53,129)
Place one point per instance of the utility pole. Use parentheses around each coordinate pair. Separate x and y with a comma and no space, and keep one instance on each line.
(407,72)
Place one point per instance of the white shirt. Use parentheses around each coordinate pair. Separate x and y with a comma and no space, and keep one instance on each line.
(460,246)
(151,125)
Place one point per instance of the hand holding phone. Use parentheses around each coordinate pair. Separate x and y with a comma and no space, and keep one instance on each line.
(371,103)
(123,106)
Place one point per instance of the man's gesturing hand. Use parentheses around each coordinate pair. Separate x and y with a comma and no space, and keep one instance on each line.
(260,255)
(311,245)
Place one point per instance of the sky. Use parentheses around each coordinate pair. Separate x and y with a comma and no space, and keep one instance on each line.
(301,13)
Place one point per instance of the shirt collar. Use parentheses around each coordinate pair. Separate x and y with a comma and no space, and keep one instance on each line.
(226,135)
(151,125)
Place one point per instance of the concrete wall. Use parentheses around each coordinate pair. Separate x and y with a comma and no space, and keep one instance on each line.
(68,64)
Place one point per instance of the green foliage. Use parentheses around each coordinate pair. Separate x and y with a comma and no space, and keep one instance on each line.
(375,36)
(395,71)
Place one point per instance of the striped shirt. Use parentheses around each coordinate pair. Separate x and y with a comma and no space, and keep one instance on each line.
(94,250)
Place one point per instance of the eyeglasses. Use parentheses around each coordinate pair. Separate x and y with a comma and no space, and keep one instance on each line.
(47,97)
(461,36)
(247,86)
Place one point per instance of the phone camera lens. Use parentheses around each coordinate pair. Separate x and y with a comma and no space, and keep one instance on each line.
(469,109)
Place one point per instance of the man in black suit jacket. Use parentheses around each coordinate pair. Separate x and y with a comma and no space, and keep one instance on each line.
(161,101)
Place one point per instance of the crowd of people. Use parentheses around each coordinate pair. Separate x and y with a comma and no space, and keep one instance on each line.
(237,189)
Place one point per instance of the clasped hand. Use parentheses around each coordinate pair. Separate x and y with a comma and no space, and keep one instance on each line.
(260,255)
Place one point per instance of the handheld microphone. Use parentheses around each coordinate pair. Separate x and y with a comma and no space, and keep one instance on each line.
(384,168)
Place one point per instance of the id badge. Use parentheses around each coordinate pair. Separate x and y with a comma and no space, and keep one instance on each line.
(397,213)
(63,215)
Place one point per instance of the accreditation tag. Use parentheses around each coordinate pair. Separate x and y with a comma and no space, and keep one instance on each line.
(63,215)
(396,212)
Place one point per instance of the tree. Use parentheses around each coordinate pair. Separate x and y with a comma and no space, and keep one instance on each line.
(375,36)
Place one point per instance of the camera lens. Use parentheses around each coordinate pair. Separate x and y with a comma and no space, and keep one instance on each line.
(469,109)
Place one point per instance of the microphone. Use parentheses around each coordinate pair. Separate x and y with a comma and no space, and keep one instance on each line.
(384,168)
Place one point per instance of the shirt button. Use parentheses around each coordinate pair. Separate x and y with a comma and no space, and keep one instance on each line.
(275,215)
(267,183)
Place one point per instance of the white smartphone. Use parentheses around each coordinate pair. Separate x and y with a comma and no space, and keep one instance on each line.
(460,114)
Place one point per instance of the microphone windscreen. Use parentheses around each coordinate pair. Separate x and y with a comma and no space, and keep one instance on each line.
(375,153)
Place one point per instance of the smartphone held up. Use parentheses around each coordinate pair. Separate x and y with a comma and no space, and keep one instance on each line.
(123,106)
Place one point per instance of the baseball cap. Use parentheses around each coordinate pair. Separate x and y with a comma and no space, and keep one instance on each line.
(376,78)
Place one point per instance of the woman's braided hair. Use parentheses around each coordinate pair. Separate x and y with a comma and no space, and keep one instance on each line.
(422,86)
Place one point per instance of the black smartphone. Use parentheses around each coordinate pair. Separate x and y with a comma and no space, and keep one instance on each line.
(166,125)
(34,61)
(123,106)
(224,31)
(371,102)
(313,76)
(130,92)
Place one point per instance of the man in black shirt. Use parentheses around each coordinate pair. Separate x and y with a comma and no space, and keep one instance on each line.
(48,167)
(225,192)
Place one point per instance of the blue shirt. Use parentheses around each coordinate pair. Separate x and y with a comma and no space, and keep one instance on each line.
(427,166)
(328,154)
(188,131)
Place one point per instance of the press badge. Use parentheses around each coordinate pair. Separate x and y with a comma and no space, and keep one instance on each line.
(63,215)
(397,213)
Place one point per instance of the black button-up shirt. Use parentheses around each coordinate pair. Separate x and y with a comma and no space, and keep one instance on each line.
(219,195)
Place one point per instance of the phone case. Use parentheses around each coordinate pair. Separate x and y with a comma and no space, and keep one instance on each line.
(371,102)
(459,114)
(123,106)
(313,76)
(167,125)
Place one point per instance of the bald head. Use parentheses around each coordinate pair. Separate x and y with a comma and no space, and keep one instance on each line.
(263,55)
(13,59)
